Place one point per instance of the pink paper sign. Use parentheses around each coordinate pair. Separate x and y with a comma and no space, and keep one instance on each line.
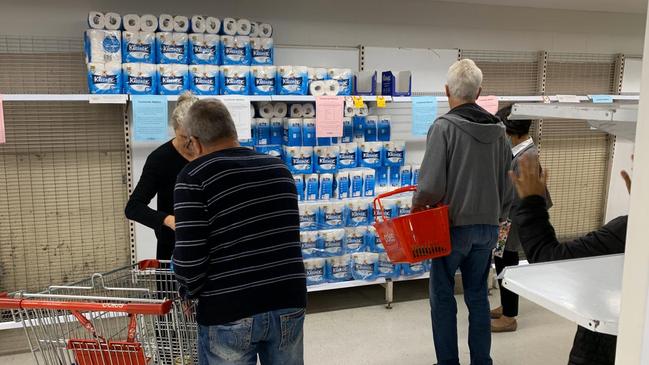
(2,122)
(488,103)
(329,116)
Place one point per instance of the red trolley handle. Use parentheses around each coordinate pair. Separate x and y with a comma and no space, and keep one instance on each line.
(377,200)
(130,308)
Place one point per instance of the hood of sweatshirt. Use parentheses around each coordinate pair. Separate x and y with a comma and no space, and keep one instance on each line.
(473,120)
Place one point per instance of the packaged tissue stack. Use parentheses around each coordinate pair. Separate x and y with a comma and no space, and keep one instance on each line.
(204,79)
(140,78)
(344,77)
(138,47)
(103,46)
(235,80)
(263,80)
(172,48)
(105,78)
(235,50)
(204,49)
(173,79)
(262,51)
(292,80)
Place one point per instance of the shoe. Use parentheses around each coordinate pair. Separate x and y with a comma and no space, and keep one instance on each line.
(504,324)
(497,312)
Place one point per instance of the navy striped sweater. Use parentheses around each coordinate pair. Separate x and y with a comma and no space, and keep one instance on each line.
(237,236)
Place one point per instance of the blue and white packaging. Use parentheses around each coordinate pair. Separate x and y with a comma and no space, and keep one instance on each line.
(332,241)
(309,216)
(274,150)
(263,131)
(253,131)
(299,159)
(292,80)
(263,79)
(204,79)
(415,174)
(292,135)
(235,80)
(326,191)
(342,185)
(395,176)
(262,51)
(348,130)
(355,239)
(339,268)
(364,265)
(356,182)
(359,212)
(316,74)
(386,269)
(348,156)
(371,154)
(323,141)
(204,49)
(140,78)
(358,125)
(382,177)
(415,269)
(308,132)
(138,47)
(309,242)
(172,48)
(105,78)
(345,77)
(235,50)
(276,130)
(103,46)
(373,240)
(404,205)
(325,159)
(395,153)
(173,79)
(370,128)
(390,208)
(299,186)
(406,175)
(384,128)
(311,187)
(315,271)
(369,182)
(333,214)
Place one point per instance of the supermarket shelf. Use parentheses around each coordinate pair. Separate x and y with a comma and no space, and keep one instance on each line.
(92,98)
(356,283)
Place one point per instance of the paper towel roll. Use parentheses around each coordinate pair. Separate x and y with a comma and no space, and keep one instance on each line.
(148,23)
(96,20)
(243,27)
(229,26)
(132,22)
(181,24)
(280,110)
(113,21)
(212,25)
(103,45)
(254,29)
(166,23)
(198,24)
(308,110)
(265,30)
(350,111)
(331,87)
(266,110)
(297,111)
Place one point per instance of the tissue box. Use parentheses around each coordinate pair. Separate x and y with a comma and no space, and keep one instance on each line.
(105,78)
(204,79)
(365,83)
(172,48)
(138,47)
(173,79)
(263,80)
(396,85)
(204,49)
(235,80)
(140,78)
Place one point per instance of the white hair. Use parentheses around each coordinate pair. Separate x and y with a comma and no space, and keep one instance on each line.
(464,80)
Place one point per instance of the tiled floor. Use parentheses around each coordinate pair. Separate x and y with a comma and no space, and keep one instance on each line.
(352,327)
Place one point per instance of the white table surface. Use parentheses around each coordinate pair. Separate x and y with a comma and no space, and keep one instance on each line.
(585,291)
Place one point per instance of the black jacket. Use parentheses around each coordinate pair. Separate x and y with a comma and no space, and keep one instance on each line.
(540,244)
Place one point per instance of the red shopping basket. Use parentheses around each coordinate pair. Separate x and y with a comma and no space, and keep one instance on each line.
(413,237)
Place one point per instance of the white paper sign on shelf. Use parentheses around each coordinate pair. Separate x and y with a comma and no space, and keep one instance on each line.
(568,98)
(108,98)
(239,109)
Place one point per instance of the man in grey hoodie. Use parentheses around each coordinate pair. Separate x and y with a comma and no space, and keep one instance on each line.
(465,166)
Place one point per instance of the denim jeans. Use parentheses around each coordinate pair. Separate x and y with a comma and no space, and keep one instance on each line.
(275,336)
(471,253)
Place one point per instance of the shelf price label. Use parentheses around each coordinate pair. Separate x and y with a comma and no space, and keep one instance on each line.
(358,101)
(380,101)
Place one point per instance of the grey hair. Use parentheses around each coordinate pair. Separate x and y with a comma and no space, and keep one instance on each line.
(209,121)
(185,101)
(464,80)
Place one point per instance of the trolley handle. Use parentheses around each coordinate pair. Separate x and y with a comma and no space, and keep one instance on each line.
(377,200)
(131,308)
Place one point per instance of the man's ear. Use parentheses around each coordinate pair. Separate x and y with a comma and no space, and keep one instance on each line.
(479,92)
(448,94)
(198,147)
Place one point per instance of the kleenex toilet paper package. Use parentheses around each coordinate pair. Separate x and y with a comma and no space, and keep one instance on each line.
(299,186)
(263,80)
(325,159)
(312,188)
(370,128)
(371,154)
(356,182)
(315,271)
(404,205)
(364,265)
(308,132)
(406,175)
(276,130)
(270,150)
(204,49)
(332,241)
(348,130)
(344,77)
(355,239)
(172,48)
(374,241)
(204,79)
(394,173)
(309,241)
(309,215)
(333,214)
(383,128)
(395,153)
(358,127)
(415,269)
(342,185)
(105,78)
(103,46)
(138,47)
(235,80)
(348,155)
(140,78)
(173,79)
(292,135)
(235,50)
(292,80)
(262,51)
(339,268)
(386,269)
(359,212)
(263,131)
(326,186)
(299,159)
(415,174)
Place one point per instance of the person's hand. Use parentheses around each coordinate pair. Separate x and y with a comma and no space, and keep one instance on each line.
(417,208)
(170,221)
(528,181)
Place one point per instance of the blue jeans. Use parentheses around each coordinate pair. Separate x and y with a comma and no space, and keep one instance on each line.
(276,336)
(471,253)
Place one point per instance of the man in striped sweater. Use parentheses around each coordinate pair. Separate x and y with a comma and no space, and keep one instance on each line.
(238,247)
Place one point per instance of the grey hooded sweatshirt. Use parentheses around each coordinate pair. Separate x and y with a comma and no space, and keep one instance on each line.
(466,166)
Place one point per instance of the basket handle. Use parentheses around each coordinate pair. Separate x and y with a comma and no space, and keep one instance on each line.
(132,308)
(377,200)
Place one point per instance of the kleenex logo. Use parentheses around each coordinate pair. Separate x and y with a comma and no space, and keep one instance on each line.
(359,213)
(139,80)
(135,47)
(369,155)
(168,48)
(395,154)
(326,160)
(307,218)
(235,81)
(204,49)
(288,81)
(264,82)
(301,161)
(314,272)
(203,80)
(340,269)
(233,51)
(172,80)
(260,53)
(104,79)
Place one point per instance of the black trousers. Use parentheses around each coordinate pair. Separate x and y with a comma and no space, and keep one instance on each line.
(508,300)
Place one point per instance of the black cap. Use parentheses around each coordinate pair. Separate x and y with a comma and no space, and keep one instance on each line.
(513,127)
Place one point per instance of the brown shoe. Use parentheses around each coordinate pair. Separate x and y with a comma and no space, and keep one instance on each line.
(497,312)
(504,324)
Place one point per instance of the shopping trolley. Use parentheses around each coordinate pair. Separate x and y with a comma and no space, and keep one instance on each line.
(131,315)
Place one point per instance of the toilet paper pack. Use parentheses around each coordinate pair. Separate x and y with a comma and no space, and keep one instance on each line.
(299,186)
(204,79)
(414,269)
(382,177)
(276,130)
(333,214)
(348,155)
(348,130)
(172,48)
(371,154)
(317,73)
(263,131)
(339,268)
(113,21)
(342,185)
(324,141)
(235,50)
(270,150)
(383,128)
(229,26)
(308,132)
(212,25)
(138,47)
(309,242)
(406,175)
(386,269)
(312,189)
(394,173)
(204,49)
(265,30)
(370,128)
(296,111)
(292,135)
(140,78)
(364,265)
(181,24)
(262,51)
(173,79)
(299,159)
(315,271)
(415,174)
(332,241)
(103,46)
(308,110)
(355,239)
(280,109)
(356,182)
(395,153)
(96,20)
(197,24)
(309,215)
(344,77)
(370,238)
(244,26)
(326,186)
(358,125)
(359,212)
(235,80)
(404,205)
(326,159)
(263,80)
(132,23)
(105,78)
(292,80)
(265,110)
